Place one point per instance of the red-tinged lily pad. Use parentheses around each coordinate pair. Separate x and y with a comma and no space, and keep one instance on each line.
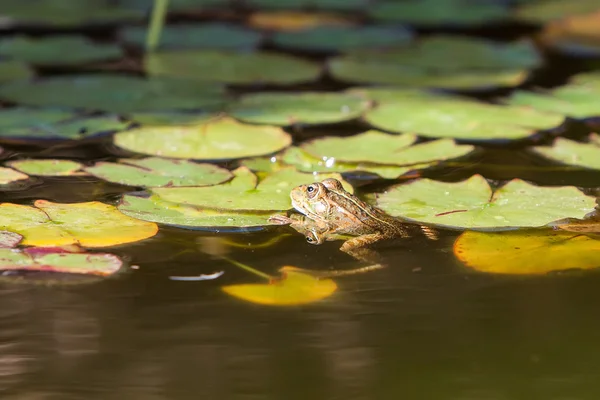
(295,287)
(91,224)
(47,167)
(527,252)
(8,239)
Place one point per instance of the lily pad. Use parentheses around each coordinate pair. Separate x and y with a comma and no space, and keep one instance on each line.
(290,21)
(115,93)
(204,36)
(527,252)
(548,10)
(9,240)
(338,5)
(213,140)
(381,148)
(172,118)
(578,99)
(473,204)
(293,288)
(469,64)
(9,175)
(47,167)
(437,115)
(276,108)
(577,35)
(243,193)
(157,172)
(51,50)
(11,70)
(565,151)
(440,12)
(230,67)
(98,264)
(91,224)
(157,210)
(342,38)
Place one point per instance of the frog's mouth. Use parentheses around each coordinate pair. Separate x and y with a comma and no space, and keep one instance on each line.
(299,204)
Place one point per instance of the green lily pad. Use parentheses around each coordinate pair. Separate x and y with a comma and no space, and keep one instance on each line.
(115,93)
(437,115)
(9,175)
(9,240)
(99,264)
(297,108)
(51,50)
(213,140)
(157,210)
(178,5)
(343,38)
(204,36)
(47,167)
(23,118)
(381,148)
(579,99)
(548,10)
(91,224)
(243,193)
(336,5)
(157,172)
(469,64)
(565,151)
(473,204)
(64,13)
(11,70)
(440,12)
(234,68)
(172,118)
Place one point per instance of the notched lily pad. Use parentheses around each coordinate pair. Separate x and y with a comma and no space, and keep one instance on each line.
(157,172)
(47,167)
(527,252)
(473,204)
(214,140)
(304,108)
(565,151)
(230,67)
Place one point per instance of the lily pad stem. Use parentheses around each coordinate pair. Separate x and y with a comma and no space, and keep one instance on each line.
(249,269)
(157,20)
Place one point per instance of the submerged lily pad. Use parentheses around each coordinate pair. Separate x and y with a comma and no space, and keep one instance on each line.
(243,193)
(156,172)
(46,167)
(157,210)
(295,287)
(527,252)
(230,67)
(116,93)
(11,70)
(216,139)
(440,12)
(51,50)
(381,148)
(205,36)
(343,38)
(8,175)
(91,224)
(437,115)
(468,64)
(297,108)
(586,155)
(473,204)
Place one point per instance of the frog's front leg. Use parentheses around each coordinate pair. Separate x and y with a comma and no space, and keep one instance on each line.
(356,247)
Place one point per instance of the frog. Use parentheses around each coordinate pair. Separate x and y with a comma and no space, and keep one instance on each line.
(329,212)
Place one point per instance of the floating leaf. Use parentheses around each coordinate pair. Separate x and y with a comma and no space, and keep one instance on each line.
(440,12)
(156,171)
(172,118)
(205,36)
(46,167)
(381,148)
(576,35)
(11,70)
(216,139)
(436,115)
(548,10)
(295,20)
(340,5)
(295,287)
(342,38)
(116,93)
(230,67)
(277,108)
(586,155)
(155,209)
(51,50)
(8,239)
(8,175)
(98,264)
(473,204)
(242,192)
(91,224)
(527,252)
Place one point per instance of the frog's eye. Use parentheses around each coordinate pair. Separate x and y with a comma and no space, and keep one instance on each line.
(312,190)
(309,239)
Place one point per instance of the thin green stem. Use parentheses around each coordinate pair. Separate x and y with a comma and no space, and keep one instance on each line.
(249,269)
(157,20)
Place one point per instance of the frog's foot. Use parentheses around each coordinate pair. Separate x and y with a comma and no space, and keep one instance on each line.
(355,247)
(430,233)
(280,220)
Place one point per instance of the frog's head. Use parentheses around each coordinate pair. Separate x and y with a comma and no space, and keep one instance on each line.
(311,200)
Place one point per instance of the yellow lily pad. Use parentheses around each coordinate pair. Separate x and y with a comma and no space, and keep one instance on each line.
(527,252)
(295,287)
(8,175)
